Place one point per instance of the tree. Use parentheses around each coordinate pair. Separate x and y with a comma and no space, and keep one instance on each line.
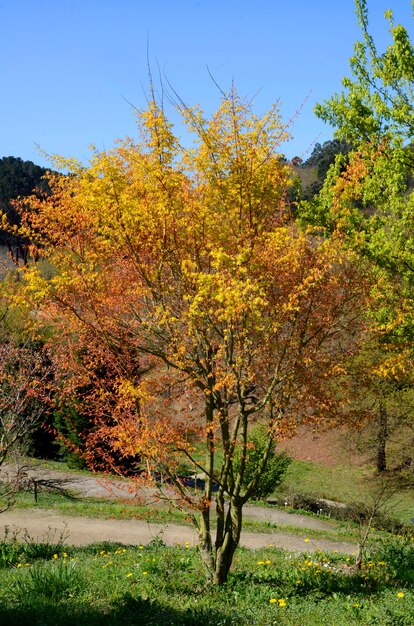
(382,388)
(183,267)
(368,197)
(276,464)
(25,378)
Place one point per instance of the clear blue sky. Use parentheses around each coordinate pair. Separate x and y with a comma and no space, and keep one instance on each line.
(68,67)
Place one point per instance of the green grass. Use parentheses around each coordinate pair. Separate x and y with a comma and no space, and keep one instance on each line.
(119,585)
(345,532)
(343,483)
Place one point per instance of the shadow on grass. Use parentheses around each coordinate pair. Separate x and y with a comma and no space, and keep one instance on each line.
(129,611)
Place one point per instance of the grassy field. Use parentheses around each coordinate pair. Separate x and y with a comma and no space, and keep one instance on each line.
(104,584)
(345,483)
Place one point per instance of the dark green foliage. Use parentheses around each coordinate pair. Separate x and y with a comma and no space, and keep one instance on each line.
(70,424)
(276,466)
(324,155)
(312,173)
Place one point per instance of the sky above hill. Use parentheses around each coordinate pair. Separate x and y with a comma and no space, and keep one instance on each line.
(71,69)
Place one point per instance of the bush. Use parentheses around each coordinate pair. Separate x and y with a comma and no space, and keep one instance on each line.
(398,553)
(276,466)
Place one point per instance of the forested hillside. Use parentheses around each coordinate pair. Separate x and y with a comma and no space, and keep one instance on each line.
(17,178)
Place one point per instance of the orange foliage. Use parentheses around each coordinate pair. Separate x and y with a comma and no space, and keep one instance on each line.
(182,268)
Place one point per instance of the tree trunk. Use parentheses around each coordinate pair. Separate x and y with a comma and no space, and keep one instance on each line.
(218,559)
(382,437)
(227,541)
(206,546)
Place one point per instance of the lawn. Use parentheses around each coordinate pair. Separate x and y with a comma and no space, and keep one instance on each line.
(344,483)
(107,584)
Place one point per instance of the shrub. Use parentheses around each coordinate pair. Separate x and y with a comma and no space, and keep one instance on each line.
(276,466)
(398,553)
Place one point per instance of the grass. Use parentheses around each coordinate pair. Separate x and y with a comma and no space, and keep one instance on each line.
(344,532)
(343,483)
(108,584)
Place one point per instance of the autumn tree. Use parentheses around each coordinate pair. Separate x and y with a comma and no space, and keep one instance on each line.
(183,268)
(368,197)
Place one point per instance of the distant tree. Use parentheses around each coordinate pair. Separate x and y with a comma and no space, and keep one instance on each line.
(297,161)
(383,391)
(322,157)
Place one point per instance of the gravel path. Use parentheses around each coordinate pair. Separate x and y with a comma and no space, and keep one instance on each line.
(83,530)
(41,523)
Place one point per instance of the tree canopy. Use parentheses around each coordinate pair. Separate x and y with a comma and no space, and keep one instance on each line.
(180,271)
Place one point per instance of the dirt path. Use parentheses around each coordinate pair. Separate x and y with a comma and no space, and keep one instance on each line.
(41,523)
(82,530)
